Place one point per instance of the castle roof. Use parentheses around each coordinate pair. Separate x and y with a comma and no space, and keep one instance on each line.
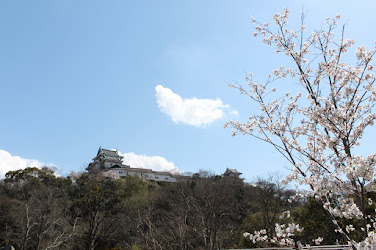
(108,154)
(232,171)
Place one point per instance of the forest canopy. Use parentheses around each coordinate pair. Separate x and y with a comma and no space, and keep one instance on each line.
(41,210)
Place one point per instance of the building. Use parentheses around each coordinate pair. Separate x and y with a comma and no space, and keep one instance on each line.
(230,172)
(110,160)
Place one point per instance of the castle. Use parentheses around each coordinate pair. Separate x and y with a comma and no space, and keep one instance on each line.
(110,160)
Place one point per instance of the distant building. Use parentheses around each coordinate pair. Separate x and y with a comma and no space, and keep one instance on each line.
(110,160)
(230,172)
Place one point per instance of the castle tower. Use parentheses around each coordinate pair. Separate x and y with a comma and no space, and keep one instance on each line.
(106,159)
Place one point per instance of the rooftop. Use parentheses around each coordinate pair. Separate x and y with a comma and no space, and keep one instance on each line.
(107,153)
(231,171)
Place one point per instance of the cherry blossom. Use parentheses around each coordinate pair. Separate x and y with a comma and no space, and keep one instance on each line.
(318,128)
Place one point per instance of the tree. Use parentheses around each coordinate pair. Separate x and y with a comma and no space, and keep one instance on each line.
(35,209)
(96,203)
(267,200)
(104,207)
(319,134)
(201,213)
(316,223)
(218,209)
(271,199)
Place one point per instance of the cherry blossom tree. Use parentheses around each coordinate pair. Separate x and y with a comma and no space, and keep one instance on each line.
(319,127)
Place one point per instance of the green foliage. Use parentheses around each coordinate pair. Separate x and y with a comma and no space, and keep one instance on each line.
(133,191)
(316,223)
(90,211)
(30,174)
(135,247)
(34,204)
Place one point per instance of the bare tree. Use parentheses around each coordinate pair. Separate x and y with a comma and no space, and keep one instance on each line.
(37,208)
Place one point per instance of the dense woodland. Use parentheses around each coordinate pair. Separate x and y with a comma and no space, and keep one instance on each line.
(39,210)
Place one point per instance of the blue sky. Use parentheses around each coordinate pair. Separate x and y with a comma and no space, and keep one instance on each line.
(148,78)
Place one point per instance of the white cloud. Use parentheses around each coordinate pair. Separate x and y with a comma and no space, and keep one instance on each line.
(234,112)
(9,162)
(193,111)
(156,163)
